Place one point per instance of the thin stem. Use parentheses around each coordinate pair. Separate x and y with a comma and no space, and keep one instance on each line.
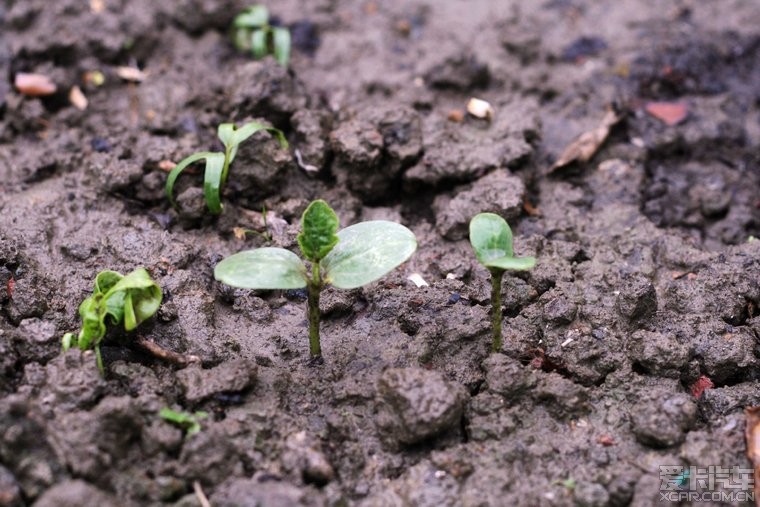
(496,276)
(314,288)
(226,166)
(99,359)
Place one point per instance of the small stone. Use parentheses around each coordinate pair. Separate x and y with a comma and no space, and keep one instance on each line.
(663,423)
(498,192)
(75,494)
(417,404)
(232,376)
(303,456)
(658,353)
(590,494)
(637,299)
(562,397)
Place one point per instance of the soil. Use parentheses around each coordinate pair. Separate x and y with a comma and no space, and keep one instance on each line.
(647,281)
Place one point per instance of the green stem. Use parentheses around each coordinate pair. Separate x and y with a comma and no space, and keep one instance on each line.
(226,166)
(314,288)
(99,359)
(496,276)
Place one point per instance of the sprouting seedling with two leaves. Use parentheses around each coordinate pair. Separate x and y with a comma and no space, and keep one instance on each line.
(491,238)
(252,32)
(116,299)
(345,259)
(217,167)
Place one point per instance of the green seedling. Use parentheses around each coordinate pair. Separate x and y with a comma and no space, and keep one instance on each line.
(185,420)
(129,299)
(252,32)
(491,238)
(346,259)
(218,164)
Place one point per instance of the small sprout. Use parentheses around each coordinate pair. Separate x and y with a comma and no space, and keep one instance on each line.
(346,259)
(491,238)
(568,483)
(185,420)
(130,299)
(252,32)
(218,164)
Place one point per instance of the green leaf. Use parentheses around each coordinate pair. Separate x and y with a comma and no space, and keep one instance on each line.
(174,174)
(93,325)
(512,263)
(105,280)
(67,341)
(491,239)
(367,251)
(190,422)
(281,45)
(141,299)
(319,224)
(253,17)
(232,136)
(263,268)
(212,182)
(241,38)
(259,43)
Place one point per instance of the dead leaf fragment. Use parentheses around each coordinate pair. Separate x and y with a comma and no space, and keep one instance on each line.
(239,232)
(586,145)
(132,74)
(77,98)
(752,436)
(34,85)
(455,115)
(479,108)
(670,113)
(166,165)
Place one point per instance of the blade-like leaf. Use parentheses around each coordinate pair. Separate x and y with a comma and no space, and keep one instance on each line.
(174,174)
(491,237)
(513,263)
(130,319)
(259,43)
(250,128)
(263,268)
(252,17)
(281,45)
(226,133)
(367,251)
(241,38)
(319,224)
(212,182)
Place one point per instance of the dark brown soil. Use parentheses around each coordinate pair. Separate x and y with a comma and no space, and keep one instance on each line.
(648,277)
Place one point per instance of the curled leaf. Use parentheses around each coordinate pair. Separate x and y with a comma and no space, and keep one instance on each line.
(366,252)
(319,224)
(491,239)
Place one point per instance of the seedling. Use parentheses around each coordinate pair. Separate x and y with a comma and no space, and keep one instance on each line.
(491,238)
(346,259)
(129,299)
(218,164)
(185,420)
(252,32)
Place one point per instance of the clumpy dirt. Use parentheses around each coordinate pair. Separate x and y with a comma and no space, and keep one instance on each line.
(647,282)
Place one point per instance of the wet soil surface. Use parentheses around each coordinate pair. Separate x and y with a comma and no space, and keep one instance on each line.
(647,281)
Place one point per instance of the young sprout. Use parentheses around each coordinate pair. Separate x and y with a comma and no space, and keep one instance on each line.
(129,299)
(218,164)
(185,420)
(491,238)
(252,32)
(346,259)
